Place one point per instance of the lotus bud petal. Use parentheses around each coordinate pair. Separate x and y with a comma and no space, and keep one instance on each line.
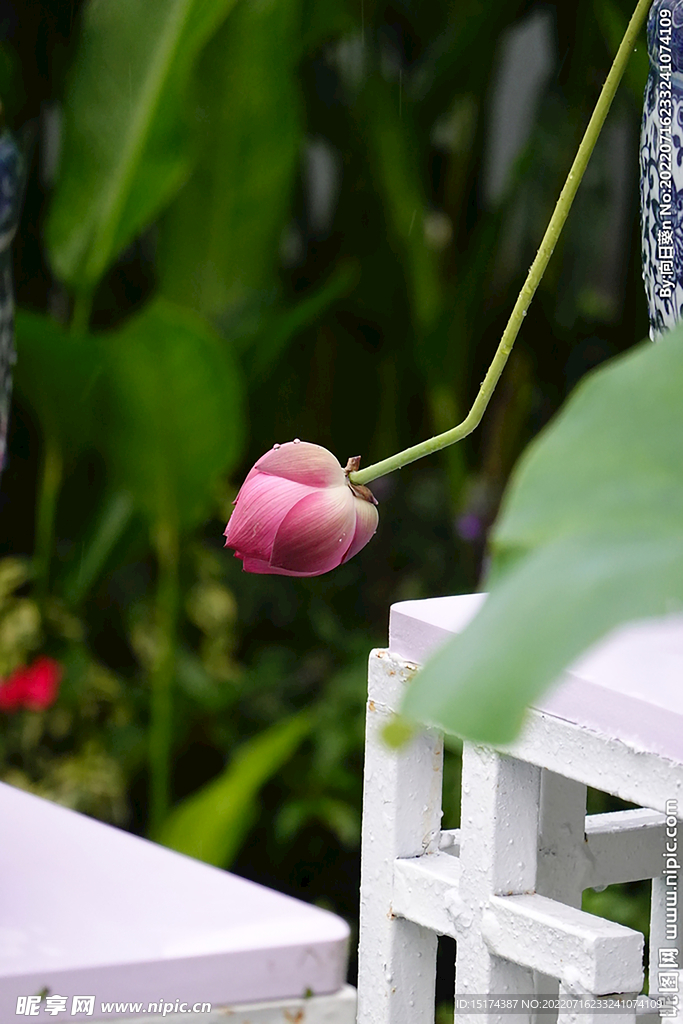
(297,514)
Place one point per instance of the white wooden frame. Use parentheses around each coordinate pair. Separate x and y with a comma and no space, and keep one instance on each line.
(508,885)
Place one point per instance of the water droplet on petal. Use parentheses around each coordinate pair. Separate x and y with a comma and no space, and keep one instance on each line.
(297,441)
(276,446)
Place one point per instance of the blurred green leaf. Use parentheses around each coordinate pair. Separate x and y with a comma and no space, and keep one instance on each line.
(338,816)
(59,373)
(211,824)
(14,572)
(267,345)
(174,421)
(591,536)
(108,527)
(626,904)
(204,690)
(125,147)
(395,153)
(613,23)
(219,240)
(322,23)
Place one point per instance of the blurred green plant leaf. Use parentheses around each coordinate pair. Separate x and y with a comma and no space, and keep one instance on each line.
(270,341)
(107,529)
(20,632)
(59,374)
(613,23)
(212,823)
(125,147)
(203,689)
(219,240)
(14,572)
(338,816)
(590,537)
(174,420)
(325,23)
(394,151)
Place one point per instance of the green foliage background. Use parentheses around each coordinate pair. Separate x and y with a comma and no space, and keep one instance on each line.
(184,305)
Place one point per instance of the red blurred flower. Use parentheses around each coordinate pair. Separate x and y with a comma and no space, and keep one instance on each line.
(297,514)
(32,686)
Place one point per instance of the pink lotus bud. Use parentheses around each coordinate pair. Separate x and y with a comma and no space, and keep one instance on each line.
(297,514)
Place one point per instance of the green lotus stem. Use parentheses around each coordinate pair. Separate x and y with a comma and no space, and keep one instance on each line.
(545,251)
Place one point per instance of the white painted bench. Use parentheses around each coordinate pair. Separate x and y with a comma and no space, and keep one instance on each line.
(90,911)
(507,885)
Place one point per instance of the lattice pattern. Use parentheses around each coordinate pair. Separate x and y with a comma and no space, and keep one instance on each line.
(507,885)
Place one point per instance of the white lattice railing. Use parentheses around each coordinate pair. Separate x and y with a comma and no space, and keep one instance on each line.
(507,885)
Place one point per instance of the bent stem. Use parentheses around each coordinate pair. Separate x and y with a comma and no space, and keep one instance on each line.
(545,251)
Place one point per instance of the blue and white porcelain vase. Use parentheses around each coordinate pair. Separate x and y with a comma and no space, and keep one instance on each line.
(11,186)
(661,168)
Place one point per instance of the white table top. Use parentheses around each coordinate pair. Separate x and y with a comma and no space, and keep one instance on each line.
(629,685)
(88,909)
